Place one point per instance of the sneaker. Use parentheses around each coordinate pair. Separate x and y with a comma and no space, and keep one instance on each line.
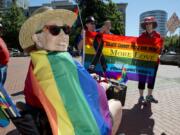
(141,99)
(151,99)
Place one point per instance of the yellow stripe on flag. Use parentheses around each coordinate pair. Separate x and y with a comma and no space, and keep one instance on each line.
(124,53)
(42,69)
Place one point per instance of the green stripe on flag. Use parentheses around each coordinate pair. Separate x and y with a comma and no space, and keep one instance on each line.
(112,60)
(66,76)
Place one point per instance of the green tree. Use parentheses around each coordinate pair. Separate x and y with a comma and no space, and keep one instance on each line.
(12,20)
(172,43)
(102,11)
(116,17)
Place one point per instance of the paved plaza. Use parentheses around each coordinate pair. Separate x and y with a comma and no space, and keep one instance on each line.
(154,119)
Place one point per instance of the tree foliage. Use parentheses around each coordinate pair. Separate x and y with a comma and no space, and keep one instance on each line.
(12,20)
(172,43)
(103,11)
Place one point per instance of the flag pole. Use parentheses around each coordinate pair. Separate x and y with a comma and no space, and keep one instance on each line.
(83,57)
(84,33)
(179,36)
(79,15)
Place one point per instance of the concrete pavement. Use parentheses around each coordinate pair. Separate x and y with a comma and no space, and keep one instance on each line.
(154,119)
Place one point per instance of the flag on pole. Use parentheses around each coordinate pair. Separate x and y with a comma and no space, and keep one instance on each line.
(8,103)
(3,103)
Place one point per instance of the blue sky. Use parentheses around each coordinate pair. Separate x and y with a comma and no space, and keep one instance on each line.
(135,8)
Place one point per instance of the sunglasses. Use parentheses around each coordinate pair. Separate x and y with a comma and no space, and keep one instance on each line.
(55,30)
(92,23)
(149,23)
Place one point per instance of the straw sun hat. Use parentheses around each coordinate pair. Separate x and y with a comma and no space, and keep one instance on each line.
(37,21)
(149,19)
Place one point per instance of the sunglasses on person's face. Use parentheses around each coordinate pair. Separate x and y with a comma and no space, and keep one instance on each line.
(55,30)
(92,23)
(148,23)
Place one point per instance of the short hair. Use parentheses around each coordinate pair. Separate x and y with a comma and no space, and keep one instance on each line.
(107,21)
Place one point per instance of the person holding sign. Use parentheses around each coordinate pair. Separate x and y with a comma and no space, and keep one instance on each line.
(148,24)
(106,28)
(90,25)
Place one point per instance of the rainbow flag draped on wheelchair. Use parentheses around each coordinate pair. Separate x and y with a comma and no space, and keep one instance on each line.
(74,102)
(72,99)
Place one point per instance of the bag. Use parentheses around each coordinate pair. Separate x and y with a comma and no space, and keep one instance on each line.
(33,121)
(117,91)
(26,125)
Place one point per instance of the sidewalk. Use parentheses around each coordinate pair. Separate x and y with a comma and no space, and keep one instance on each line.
(17,70)
(156,119)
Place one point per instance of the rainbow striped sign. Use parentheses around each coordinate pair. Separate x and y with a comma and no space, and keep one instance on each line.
(74,102)
(137,56)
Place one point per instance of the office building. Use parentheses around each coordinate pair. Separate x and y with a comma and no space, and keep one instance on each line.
(122,8)
(56,4)
(5,4)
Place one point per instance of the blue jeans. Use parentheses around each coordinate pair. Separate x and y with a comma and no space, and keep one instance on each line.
(3,74)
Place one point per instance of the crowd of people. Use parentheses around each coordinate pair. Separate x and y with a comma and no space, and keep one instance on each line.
(49,34)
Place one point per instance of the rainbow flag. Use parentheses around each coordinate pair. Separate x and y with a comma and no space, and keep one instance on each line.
(4,121)
(139,56)
(3,103)
(74,102)
(123,77)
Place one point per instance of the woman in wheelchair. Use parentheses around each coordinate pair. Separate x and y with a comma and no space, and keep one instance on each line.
(57,86)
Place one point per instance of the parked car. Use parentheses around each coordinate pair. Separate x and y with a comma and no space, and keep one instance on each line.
(170,58)
(16,53)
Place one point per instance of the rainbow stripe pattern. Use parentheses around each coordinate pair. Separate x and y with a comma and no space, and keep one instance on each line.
(74,102)
(3,119)
(3,103)
(123,77)
(139,56)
